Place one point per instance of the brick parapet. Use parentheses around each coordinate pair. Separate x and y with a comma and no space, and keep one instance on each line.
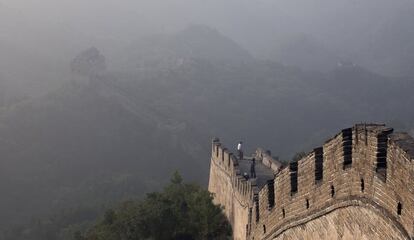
(366,165)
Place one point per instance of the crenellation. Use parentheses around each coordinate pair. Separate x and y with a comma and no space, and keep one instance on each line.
(266,158)
(363,167)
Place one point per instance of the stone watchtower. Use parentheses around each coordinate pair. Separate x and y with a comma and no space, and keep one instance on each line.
(358,185)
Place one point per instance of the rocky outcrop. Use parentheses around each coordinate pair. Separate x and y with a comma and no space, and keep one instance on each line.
(89,63)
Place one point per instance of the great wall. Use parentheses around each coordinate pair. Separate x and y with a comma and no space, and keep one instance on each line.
(358,185)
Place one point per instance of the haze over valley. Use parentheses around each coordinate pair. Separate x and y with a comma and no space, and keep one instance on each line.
(102,101)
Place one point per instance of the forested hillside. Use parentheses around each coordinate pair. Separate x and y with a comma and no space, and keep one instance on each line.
(110,135)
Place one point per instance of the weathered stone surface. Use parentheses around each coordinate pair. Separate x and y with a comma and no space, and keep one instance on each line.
(345,224)
(365,191)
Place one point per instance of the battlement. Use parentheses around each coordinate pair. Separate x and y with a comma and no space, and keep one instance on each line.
(365,166)
(228,164)
(231,188)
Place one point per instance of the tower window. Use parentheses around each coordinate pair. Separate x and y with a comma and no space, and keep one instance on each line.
(293,166)
(271,193)
(318,164)
(347,147)
(382,145)
(222,154)
(399,208)
(362,185)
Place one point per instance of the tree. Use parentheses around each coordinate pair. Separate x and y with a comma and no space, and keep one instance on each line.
(181,211)
(298,156)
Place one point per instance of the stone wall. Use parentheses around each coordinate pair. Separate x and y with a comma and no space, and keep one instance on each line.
(366,166)
(365,224)
(230,189)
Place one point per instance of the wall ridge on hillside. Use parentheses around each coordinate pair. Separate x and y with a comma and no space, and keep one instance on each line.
(231,166)
(234,187)
(367,163)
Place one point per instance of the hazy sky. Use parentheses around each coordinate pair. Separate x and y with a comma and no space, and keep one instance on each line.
(246,20)
(51,32)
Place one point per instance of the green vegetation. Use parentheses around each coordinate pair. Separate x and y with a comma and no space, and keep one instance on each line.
(67,156)
(298,156)
(181,211)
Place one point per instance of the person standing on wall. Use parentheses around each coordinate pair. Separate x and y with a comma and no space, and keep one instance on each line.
(253,168)
(240,150)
